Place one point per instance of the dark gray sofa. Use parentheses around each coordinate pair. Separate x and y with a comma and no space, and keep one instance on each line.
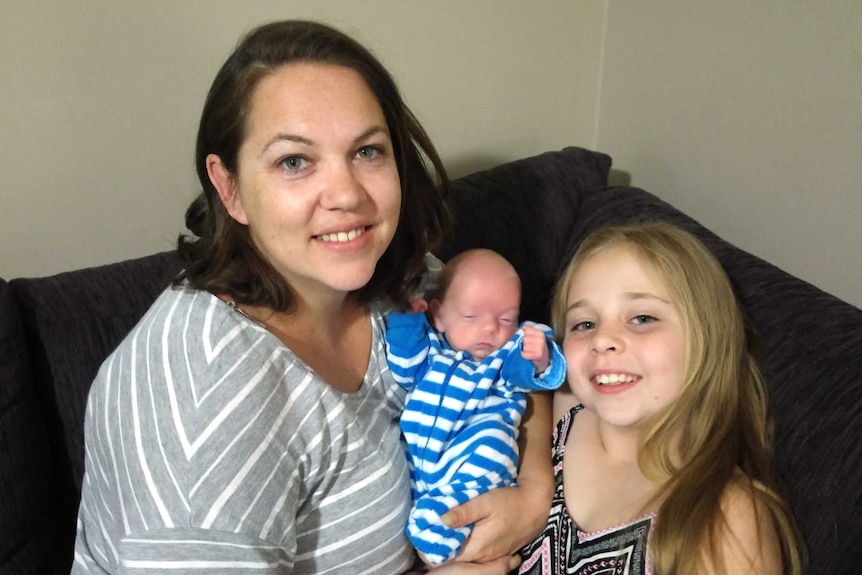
(55,331)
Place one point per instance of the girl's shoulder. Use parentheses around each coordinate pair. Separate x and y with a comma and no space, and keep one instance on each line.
(562,429)
(564,402)
(747,539)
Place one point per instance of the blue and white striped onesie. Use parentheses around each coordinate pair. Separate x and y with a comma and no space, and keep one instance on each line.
(460,423)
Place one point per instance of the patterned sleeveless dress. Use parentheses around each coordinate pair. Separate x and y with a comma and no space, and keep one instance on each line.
(563,549)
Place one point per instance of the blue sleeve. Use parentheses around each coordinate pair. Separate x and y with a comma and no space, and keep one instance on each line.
(521,373)
(407,346)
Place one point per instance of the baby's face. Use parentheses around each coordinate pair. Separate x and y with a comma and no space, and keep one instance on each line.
(480,311)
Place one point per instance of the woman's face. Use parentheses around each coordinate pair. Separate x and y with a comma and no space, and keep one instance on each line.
(624,343)
(316,182)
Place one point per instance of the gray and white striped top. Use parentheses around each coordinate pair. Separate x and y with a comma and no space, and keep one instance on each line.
(210,447)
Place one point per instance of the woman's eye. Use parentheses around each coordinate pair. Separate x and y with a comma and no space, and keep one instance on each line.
(643,319)
(293,163)
(369,152)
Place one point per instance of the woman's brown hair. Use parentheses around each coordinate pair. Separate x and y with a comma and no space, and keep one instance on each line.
(220,256)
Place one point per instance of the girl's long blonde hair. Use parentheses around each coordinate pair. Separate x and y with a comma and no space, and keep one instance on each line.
(717,431)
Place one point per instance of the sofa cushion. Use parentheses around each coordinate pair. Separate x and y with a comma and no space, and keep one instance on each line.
(93,309)
(524,210)
(27,498)
(72,321)
(811,347)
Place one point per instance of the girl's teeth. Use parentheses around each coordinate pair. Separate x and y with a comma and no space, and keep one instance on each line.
(613,378)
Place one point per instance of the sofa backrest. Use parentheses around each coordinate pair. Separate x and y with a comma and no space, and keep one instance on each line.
(72,321)
(525,210)
(28,501)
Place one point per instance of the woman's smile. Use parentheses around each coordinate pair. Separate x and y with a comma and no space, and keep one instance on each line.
(342,237)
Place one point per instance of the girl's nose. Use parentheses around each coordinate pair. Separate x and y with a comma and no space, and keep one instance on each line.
(606,339)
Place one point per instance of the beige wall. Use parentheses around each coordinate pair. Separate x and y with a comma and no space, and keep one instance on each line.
(100,103)
(748,116)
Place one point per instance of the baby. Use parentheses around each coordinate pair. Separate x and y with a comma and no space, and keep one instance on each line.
(466,382)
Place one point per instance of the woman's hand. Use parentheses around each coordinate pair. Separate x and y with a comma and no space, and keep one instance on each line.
(508,518)
(505,520)
(500,566)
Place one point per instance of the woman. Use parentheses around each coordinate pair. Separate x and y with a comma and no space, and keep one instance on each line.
(249,422)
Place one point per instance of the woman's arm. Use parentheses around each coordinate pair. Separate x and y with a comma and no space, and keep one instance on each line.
(508,518)
(499,566)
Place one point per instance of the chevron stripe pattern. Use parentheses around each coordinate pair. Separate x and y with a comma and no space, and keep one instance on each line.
(563,549)
(210,447)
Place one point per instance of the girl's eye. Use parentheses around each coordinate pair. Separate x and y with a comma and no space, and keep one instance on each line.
(643,319)
(293,163)
(369,152)
(584,326)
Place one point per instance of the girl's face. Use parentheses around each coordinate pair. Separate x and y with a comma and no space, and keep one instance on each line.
(624,344)
(316,183)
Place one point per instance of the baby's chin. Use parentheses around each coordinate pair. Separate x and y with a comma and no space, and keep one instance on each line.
(481,351)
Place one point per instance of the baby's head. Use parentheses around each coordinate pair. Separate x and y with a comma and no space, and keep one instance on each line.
(478,302)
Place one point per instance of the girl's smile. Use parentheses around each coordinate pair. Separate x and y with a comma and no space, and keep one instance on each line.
(625,344)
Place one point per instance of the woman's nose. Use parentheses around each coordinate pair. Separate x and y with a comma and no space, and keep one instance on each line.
(343,190)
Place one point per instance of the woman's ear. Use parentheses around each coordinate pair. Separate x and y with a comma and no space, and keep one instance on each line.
(225,184)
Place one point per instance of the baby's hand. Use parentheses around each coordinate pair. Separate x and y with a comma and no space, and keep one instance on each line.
(534,348)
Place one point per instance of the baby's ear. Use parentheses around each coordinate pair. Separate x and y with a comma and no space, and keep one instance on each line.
(418,304)
(434,310)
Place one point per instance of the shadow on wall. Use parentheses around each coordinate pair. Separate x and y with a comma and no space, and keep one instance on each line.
(619,178)
(463,166)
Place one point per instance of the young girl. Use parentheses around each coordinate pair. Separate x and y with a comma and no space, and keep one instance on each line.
(662,451)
